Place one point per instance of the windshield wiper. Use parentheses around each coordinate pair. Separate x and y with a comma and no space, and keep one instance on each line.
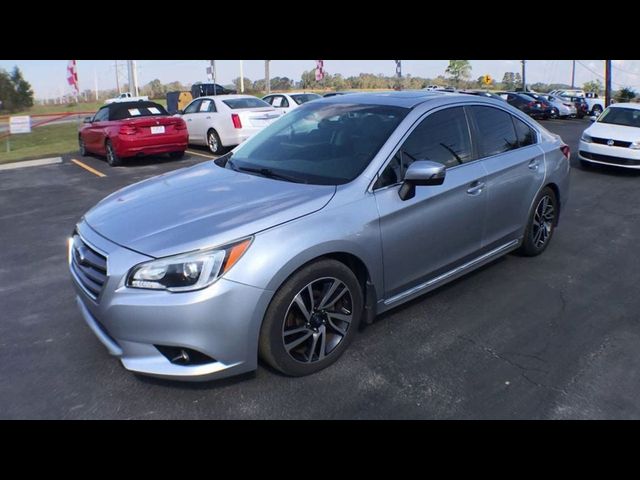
(266,172)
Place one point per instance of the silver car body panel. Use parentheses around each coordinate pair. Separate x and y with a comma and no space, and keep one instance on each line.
(407,247)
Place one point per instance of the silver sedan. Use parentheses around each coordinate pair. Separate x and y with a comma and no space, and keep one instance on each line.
(338,211)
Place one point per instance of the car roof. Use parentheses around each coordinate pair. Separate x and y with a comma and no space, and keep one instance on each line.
(635,106)
(406,98)
(226,97)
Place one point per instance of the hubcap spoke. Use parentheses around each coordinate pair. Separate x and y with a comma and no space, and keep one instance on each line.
(334,286)
(298,341)
(303,308)
(314,343)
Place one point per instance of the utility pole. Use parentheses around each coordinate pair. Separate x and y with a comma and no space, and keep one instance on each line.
(95,83)
(267,78)
(241,78)
(524,80)
(212,69)
(573,75)
(399,74)
(607,83)
(118,79)
(133,78)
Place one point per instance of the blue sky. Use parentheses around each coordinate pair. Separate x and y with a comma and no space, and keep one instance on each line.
(48,77)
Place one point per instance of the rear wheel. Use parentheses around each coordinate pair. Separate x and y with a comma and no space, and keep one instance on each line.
(541,223)
(112,157)
(311,319)
(213,140)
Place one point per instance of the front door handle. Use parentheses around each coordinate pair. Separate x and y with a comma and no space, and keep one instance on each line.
(534,164)
(475,188)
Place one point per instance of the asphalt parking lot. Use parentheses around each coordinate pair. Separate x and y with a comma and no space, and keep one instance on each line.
(550,337)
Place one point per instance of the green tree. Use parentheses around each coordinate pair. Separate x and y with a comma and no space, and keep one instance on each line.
(458,70)
(248,84)
(593,86)
(625,94)
(15,92)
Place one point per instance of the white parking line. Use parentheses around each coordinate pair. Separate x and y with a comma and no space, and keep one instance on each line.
(31,163)
(191,152)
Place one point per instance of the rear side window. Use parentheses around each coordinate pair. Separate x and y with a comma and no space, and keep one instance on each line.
(102,115)
(496,133)
(524,133)
(305,97)
(236,103)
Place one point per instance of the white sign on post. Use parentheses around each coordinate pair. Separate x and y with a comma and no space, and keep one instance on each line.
(21,124)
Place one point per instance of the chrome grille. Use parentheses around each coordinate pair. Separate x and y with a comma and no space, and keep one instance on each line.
(88,266)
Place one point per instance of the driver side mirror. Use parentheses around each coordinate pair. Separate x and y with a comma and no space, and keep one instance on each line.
(422,173)
(88,120)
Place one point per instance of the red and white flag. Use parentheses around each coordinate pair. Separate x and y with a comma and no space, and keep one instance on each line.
(319,70)
(72,76)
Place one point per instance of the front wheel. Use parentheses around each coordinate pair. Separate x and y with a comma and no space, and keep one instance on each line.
(311,319)
(541,223)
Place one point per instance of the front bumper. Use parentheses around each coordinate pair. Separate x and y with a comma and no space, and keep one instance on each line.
(606,155)
(222,321)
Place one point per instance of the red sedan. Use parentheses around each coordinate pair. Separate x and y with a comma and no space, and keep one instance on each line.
(132,129)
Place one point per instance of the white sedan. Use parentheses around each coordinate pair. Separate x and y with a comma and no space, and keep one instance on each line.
(614,137)
(286,102)
(223,121)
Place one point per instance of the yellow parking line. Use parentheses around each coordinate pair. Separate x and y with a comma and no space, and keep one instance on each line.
(200,154)
(88,168)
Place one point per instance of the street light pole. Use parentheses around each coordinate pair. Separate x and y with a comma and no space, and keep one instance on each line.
(524,81)
(267,78)
(573,75)
(607,81)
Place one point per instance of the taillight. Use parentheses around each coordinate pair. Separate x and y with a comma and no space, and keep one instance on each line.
(128,130)
(236,120)
(180,125)
(566,151)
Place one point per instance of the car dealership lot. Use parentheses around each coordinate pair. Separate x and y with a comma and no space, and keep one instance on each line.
(547,337)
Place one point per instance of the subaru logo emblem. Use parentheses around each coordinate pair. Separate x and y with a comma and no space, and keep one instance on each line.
(610,143)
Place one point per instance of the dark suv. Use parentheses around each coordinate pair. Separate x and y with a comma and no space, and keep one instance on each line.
(525,103)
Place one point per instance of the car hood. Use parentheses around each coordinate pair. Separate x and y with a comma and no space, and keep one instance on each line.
(200,206)
(615,132)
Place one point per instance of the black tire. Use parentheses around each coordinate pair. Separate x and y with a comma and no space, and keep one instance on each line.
(213,142)
(281,313)
(531,244)
(112,157)
(177,155)
(81,147)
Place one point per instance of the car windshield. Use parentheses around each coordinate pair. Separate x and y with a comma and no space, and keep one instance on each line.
(301,98)
(235,103)
(319,143)
(629,117)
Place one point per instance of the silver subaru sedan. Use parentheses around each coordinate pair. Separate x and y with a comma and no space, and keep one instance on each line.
(342,209)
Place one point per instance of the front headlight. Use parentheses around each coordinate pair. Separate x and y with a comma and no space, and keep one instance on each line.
(188,271)
(586,138)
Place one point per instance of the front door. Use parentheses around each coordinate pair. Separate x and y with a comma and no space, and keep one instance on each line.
(441,226)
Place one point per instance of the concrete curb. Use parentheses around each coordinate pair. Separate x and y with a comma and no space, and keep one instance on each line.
(31,163)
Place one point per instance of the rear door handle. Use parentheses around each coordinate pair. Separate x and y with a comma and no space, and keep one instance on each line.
(534,164)
(475,188)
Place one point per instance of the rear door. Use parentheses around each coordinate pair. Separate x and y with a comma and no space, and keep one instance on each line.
(515,171)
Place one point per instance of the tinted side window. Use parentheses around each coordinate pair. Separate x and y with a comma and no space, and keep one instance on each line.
(193,107)
(441,137)
(525,134)
(269,100)
(496,133)
(102,115)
